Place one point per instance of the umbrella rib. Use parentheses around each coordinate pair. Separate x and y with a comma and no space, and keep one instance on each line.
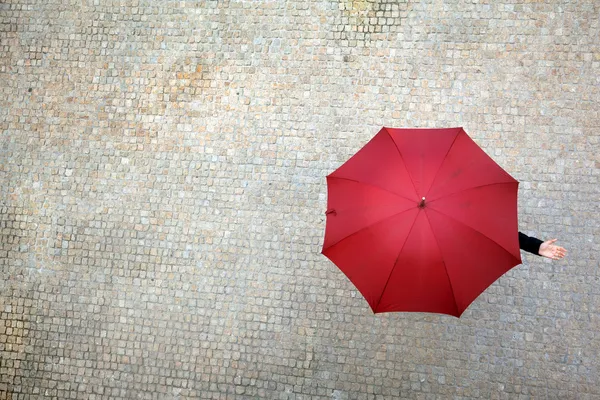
(370,184)
(395,262)
(474,230)
(469,188)
(403,162)
(442,163)
(443,184)
(367,227)
(445,267)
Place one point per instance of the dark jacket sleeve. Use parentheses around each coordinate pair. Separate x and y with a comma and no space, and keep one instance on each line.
(529,244)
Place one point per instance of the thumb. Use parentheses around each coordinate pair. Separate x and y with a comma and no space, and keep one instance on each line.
(552,241)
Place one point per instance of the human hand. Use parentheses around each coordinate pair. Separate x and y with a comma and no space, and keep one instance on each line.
(549,250)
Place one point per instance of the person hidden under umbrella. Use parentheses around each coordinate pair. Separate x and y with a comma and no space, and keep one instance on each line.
(424,220)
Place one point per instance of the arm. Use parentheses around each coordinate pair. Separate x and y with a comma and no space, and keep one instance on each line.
(529,244)
(545,249)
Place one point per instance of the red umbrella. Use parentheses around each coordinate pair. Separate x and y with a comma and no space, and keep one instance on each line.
(422,220)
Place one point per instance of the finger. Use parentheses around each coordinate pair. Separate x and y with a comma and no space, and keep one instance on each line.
(551,241)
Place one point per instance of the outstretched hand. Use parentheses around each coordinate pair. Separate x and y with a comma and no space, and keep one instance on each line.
(549,250)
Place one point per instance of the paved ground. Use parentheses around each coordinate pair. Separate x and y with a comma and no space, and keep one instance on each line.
(162,193)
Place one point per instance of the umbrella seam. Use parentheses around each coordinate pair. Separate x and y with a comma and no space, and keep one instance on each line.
(370,184)
(445,183)
(445,267)
(366,227)
(470,188)
(443,161)
(403,162)
(475,230)
(354,209)
(394,266)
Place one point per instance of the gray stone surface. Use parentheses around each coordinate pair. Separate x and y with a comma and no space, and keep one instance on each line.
(162,193)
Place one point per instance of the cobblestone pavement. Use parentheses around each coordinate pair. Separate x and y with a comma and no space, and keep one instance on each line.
(162,194)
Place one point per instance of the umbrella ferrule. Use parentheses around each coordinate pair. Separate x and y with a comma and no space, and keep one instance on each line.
(422,203)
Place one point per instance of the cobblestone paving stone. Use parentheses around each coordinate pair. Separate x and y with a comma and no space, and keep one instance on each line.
(162,194)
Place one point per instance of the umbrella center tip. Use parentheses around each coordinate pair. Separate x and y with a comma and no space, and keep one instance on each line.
(422,203)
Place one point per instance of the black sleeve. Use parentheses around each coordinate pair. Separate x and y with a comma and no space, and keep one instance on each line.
(529,244)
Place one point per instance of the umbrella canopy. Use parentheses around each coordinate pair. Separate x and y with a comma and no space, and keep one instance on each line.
(422,220)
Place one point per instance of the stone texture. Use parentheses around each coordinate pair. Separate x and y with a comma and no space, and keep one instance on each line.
(162,193)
